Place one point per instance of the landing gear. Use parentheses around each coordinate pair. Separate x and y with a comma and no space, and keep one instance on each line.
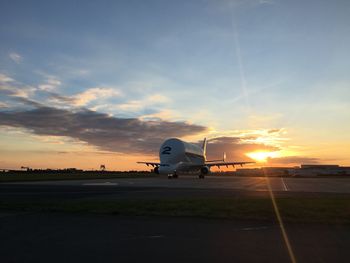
(204,170)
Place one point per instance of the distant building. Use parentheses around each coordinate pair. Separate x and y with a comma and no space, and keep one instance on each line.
(269,171)
(322,169)
(303,170)
(277,171)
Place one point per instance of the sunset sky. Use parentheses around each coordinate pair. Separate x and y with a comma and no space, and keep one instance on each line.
(84,83)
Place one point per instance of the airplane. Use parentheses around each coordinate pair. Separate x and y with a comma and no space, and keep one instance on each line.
(178,156)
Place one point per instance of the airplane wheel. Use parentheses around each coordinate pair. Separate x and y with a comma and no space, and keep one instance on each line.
(175,176)
(169,176)
(201,176)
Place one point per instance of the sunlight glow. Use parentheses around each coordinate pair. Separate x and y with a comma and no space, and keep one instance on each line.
(262,156)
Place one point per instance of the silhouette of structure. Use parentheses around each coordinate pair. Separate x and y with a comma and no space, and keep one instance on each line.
(27,168)
(304,170)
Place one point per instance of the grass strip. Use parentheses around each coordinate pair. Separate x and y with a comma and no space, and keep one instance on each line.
(22,177)
(302,210)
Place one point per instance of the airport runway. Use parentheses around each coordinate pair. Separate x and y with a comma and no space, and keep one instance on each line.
(183,187)
(185,184)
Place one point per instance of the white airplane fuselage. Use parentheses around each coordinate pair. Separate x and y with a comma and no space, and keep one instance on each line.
(177,156)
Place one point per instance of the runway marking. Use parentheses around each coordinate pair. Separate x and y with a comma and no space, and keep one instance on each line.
(101,184)
(254,228)
(285,188)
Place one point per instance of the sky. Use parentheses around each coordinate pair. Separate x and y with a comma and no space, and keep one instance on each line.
(85,83)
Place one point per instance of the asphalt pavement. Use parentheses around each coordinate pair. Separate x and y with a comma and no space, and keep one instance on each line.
(56,237)
(69,237)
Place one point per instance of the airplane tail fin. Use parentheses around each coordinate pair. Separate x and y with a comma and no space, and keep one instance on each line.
(204,146)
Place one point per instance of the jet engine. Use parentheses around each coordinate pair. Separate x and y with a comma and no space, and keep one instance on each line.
(156,170)
(205,170)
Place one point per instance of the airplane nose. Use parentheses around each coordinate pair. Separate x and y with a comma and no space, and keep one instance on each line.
(166,169)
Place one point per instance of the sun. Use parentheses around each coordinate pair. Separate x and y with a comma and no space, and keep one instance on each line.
(262,156)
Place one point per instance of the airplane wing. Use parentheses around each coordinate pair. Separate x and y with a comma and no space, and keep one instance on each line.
(150,164)
(227,164)
(217,164)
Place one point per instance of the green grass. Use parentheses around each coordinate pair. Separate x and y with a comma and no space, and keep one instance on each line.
(27,176)
(306,210)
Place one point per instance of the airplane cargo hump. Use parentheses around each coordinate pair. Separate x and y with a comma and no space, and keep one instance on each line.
(172,151)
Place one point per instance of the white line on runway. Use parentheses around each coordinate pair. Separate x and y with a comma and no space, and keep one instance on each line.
(284,185)
(101,184)
(254,228)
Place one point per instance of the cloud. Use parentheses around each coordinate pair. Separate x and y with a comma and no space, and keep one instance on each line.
(293,160)
(47,93)
(138,105)
(15,57)
(123,135)
(235,148)
(275,131)
(27,102)
(3,105)
(132,136)
(51,84)
(67,117)
(157,98)
(92,94)
(7,89)
(160,115)
(266,2)
(4,78)
(97,98)
(235,4)
(60,99)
